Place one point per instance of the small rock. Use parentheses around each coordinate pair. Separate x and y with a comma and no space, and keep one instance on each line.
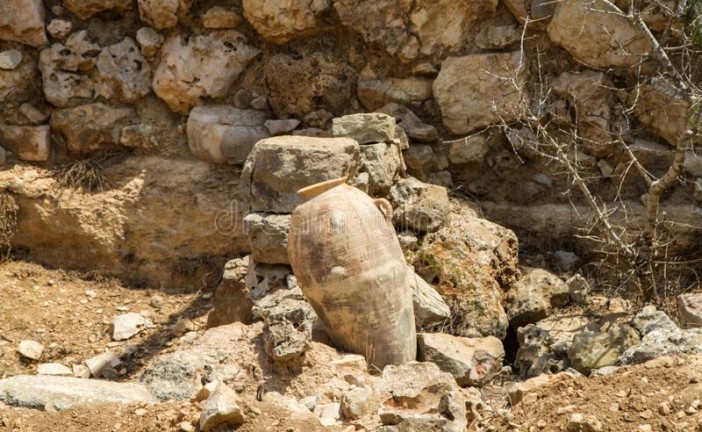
(328,414)
(149,41)
(10,59)
(534,297)
(59,28)
(471,361)
(429,307)
(128,325)
(81,371)
(583,423)
(690,310)
(31,349)
(182,326)
(140,412)
(365,128)
(156,301)
(138,136)
(498,37)
(567,261)
(355,403)
(468,150)
(309,401)
(419,206)
(53,369)
(579,288)
(521,389)
(220,18)
(32,114)
(102,363)
(186,426)
(221,408)
(259,103)
(281,127)
(29,143)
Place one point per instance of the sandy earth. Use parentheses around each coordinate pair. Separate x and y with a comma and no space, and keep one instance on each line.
(70,316)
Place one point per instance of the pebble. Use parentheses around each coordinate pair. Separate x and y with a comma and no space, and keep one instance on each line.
(186,426)
(81,371)
(128,325)
(31,349)
(156,301)
(182,326)
(664,408)
(10,59)
(140,412)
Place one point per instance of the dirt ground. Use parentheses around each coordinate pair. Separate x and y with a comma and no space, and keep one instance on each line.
(70,316)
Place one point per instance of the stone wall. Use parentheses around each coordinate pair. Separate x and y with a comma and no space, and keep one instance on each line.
(169,83)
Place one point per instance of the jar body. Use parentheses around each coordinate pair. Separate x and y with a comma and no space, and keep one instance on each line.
(349,264)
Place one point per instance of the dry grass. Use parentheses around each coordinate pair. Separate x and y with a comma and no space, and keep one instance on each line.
(81,174)
(8,223)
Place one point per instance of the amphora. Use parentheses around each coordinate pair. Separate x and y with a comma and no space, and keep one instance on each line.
(348,262)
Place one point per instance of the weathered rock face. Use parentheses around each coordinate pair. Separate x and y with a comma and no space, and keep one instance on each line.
(90,128)
(535,296)
(122,73)
(365,128)
(278,167)
(478,90)
(203,66)
(596,36)
(410,30)
(690,310)
(29,143)
(297,87)
(65,69)
(224,134)
(468,260)
(162,222)
(471,361)
(429,307)
(383,164)
(284,20)
(231,300)
(23,21)
(87,8)
(589,92)
(662,109)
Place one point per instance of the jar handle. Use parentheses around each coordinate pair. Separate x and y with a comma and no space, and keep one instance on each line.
(384,207)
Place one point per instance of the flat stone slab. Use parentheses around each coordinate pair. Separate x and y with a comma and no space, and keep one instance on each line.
(38,391)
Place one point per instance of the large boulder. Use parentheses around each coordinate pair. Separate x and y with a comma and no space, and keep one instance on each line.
(470,261)
(471,361)
(122,72)
(409,30)
(299,86)
(478,90)
(281,21)
(90,128)
(57,392)
(535,296)
(224,134)
(365,128)
(278,167)
(200,67)
(23,21)
(595,34)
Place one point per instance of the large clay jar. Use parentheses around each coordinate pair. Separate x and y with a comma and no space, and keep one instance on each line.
(348,262)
